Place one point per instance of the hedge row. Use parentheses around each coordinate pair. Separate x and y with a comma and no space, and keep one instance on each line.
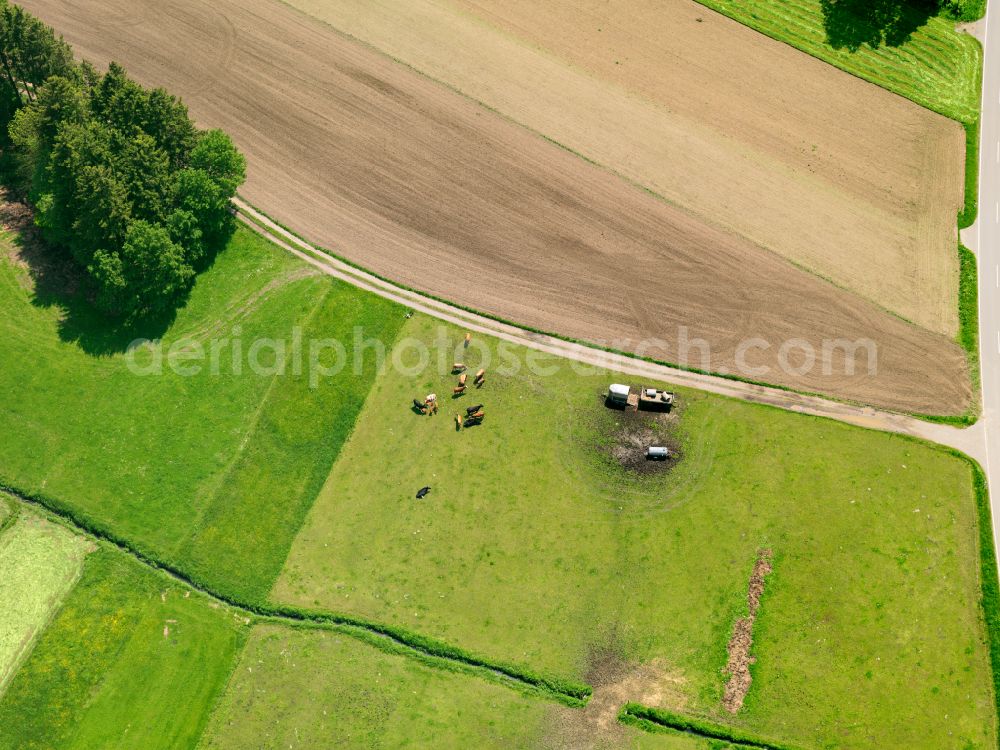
(965,10)
(659,720)
(569,692)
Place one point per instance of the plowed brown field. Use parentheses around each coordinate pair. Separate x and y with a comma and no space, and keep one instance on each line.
(837,175)
(408,178)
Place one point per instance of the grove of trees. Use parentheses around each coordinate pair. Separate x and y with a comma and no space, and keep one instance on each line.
(119,177)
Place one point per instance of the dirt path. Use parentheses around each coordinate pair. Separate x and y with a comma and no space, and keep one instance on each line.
(422,185)
(614,684)
(968,440)
(741,642)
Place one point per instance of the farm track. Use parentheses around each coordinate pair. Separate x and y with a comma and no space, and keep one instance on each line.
(968,440)
(405,176)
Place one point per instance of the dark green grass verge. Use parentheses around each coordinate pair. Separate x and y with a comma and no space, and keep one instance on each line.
(11,514)
(967,216)
(968,310)
(988,574)
(661,720)
(958,420)
(569,692)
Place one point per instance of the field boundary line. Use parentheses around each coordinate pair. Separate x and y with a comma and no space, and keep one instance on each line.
(968,440)
(656,720)
(387,638)
(252,427)
(885,85)
(390,638)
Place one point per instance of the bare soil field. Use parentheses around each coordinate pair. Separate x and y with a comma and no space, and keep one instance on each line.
(846,179)
(403,175)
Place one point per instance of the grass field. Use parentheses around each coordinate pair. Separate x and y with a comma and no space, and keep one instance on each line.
(536,547)
(212,473)
(319,690)
(937,66)
(7,512)
(39,563)
(129,662)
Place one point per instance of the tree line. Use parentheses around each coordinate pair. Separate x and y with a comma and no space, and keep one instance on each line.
(850,24)
(119,177)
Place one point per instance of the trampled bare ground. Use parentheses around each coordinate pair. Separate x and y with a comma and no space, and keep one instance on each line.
(741,643)
(857,184)
(406,177)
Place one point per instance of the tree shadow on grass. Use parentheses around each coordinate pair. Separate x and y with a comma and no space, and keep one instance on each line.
(59,283)
(850,24)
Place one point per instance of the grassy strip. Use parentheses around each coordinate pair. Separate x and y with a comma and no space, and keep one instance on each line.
(968,329)
(968,310)
(988,574)
(13,511)
(960,420)
(569,692)
(660,720)
(967,216)
(964,420)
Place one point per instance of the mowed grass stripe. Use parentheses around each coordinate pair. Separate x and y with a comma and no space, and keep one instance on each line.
(298,432)
(39,564)
(211,473)
(107,674)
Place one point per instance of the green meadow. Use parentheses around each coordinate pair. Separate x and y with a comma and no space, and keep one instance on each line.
(537,546)
(39,563)
(546,541)
(212,472)
(132,660)
(315,690)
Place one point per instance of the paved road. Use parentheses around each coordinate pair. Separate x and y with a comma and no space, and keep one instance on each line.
(987,241)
